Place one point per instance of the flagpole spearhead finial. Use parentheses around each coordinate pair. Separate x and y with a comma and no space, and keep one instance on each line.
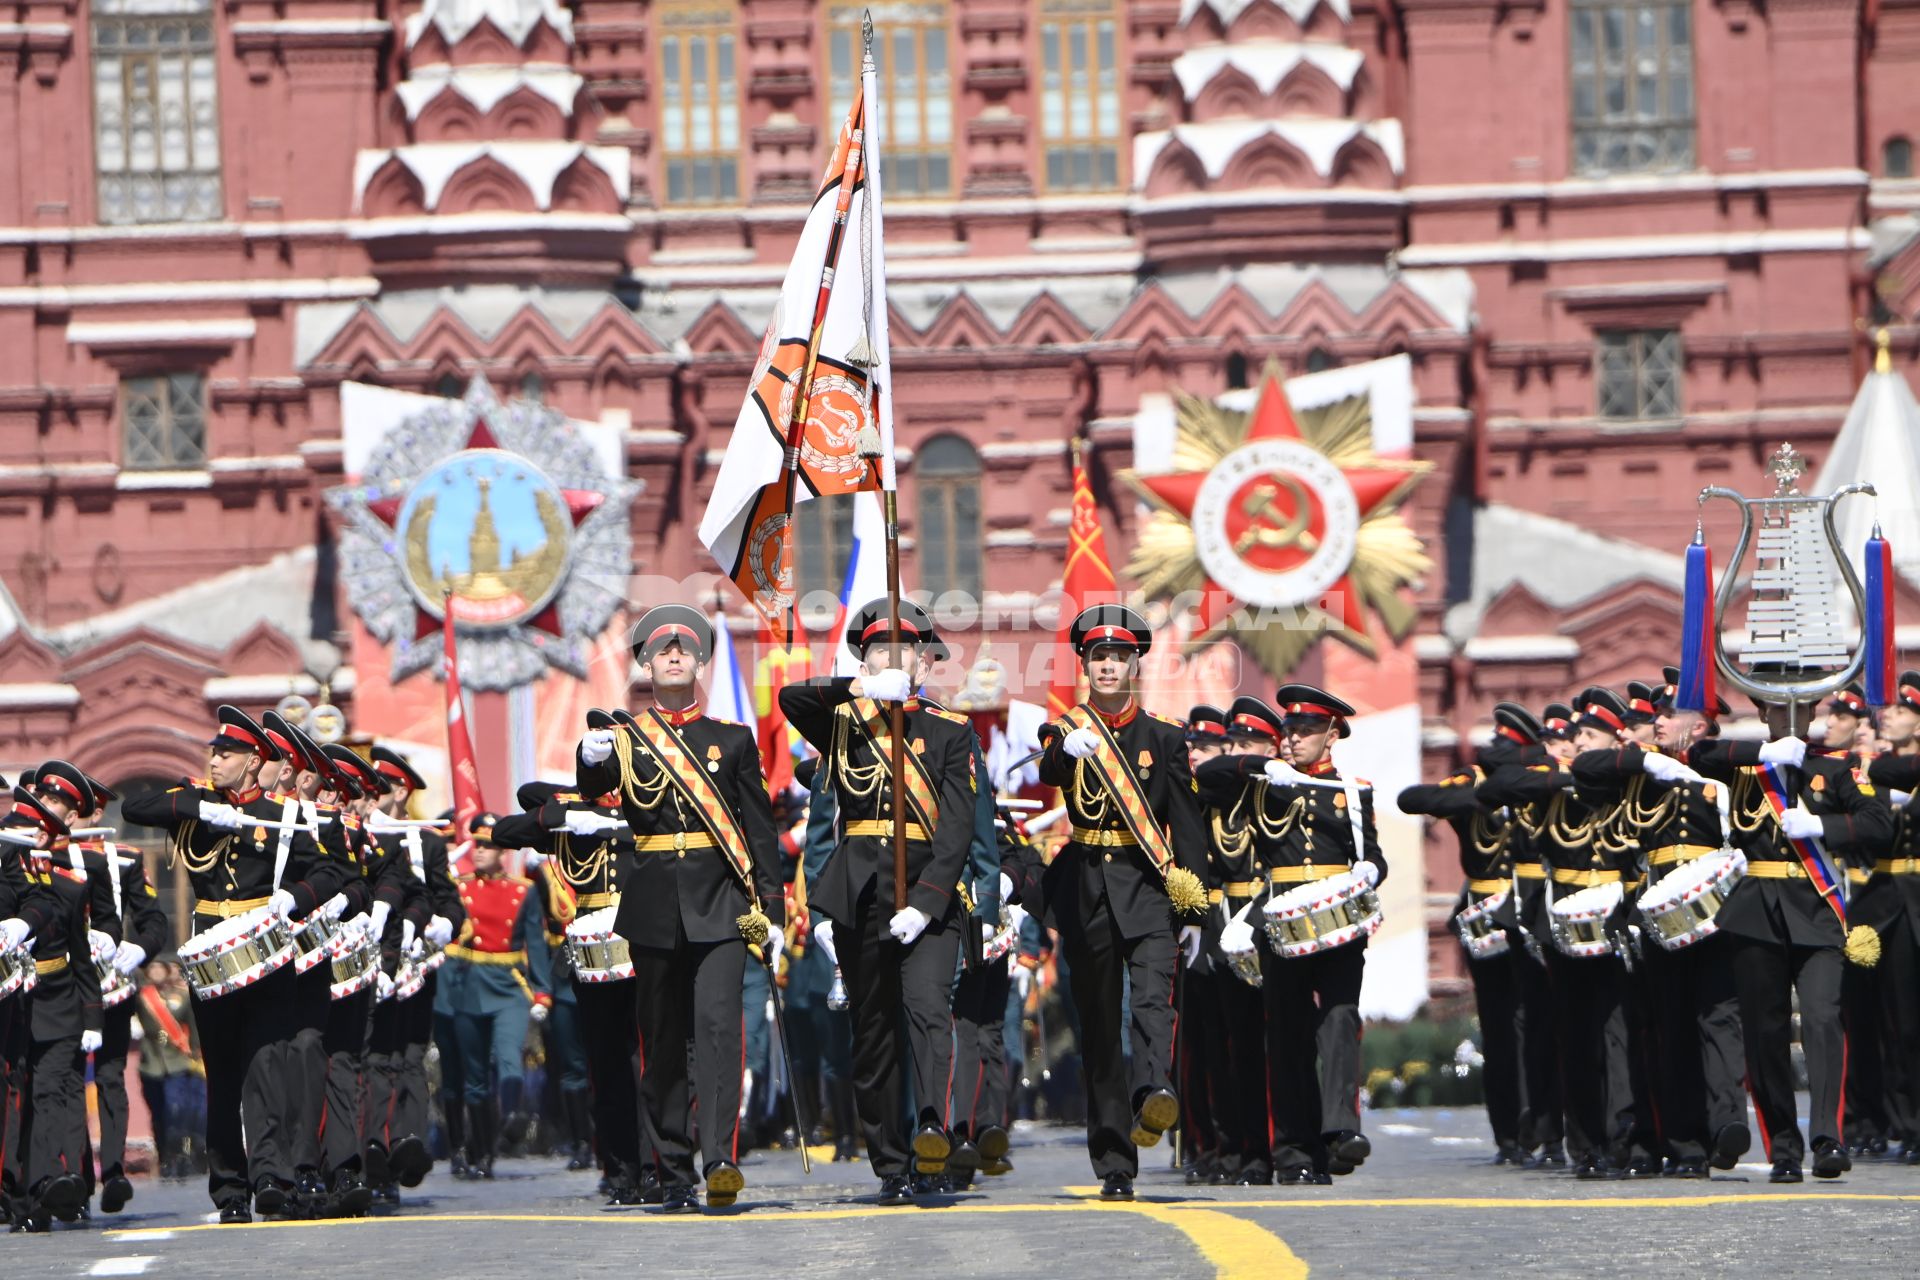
(866,33)
(1882,350)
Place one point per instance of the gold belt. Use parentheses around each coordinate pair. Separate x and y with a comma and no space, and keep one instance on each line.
(457,952)
(1103,839)
(1898,866)
(678,840)
(1241,888)
(1858,875)
(1215,897)
(1773,869)
(1585,879)
(883,828)
(1311,871)
(1529,871)
(56,965)
(597,901)
(230,908)
(1674,853)
(1487,886)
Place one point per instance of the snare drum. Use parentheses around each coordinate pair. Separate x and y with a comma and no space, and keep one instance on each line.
(114,987)
(1483,936)
(316,939)
(1322,914)
(410,980)
(17,974)
(1680,907)
(599,954)
(236,953)
(356,959)
(1579,921)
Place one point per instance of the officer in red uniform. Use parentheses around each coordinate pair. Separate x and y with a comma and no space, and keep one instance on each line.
(496,978)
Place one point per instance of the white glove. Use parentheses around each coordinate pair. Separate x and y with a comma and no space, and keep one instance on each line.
(1898,799)
(439,931)
(1081,743)
(90,1042)
(215,814)
(585,822)
(1282,774)
(129,956)
(1368,872)
(776,943)
(381,910)
(1006,886)
(891,685)
(538,1012)
(13,932)
(1798,824)
(1018,915)
(335,907)
(907,924)
(406,936)
(1791,751)
(1022,981)
(532,858)
(282,903)
(596,746)
(1237,937)
(823,938)
(383,986)
(1190,943)
(1663,768)
(136,1032)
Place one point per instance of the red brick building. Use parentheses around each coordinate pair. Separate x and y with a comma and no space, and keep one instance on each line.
(1629,246)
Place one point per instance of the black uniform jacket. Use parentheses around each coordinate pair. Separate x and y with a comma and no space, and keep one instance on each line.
(673,891)
(228,865)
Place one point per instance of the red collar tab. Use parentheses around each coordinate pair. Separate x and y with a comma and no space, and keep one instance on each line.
(1108,635)
(245,797)
(611,800)
(1321,768)
(678,718)
(1120,719)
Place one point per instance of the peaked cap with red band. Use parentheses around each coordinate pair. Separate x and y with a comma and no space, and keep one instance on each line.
(1515,723)
(663,624)
(1110,624)
(1601,708)
(1305,702)
(393,766)
(1250,718)
(872,623)
(58,778)
(353,769)
(1206,723)
(239,732)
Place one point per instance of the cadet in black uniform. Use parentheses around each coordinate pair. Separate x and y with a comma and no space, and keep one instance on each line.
(596,859)
(26,907)
(1305,829)
(893,961)
(1696,1063)
(63,1023)
(231,867)
(705,882)
(1127,891)
(1889,902)
(1211,1139)
(1482,834)
(1787,937)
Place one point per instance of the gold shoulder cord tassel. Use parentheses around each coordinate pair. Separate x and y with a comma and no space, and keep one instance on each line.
(754,926)
(1184,890)
(1863,946)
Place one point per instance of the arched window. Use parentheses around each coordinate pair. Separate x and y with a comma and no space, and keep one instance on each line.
(533,387)
(947,471)
(1236,371)
(450,386)
(1896,158)
(1318,361)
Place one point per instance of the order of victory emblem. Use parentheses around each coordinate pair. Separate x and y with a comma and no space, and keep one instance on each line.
(1273,510)
(496,519)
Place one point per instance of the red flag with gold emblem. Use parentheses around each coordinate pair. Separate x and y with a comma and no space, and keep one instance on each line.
(467,801)
(1088,580)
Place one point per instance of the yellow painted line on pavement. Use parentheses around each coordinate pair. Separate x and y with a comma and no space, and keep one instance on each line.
(1560,1202)
(1238,1249)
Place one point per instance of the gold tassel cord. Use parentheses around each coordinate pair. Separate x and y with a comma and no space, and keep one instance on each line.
(754,926)
(1863,946)
(1184,890)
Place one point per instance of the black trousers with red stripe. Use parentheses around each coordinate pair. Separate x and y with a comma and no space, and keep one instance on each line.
(1099,956)
(609,1026)
(1313,1049)
(691,992)
(1766,975)
(980,1075)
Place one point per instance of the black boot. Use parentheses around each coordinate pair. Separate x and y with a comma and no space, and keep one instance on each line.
(846,1122)
(480,1138)
(455,1112)
(514,1122)
(579,1128)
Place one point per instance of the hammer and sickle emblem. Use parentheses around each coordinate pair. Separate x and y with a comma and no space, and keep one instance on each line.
(1269,527)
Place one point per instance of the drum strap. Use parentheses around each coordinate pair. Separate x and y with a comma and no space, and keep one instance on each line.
(113,876)
(1357,822)
(290,817)
(416,856)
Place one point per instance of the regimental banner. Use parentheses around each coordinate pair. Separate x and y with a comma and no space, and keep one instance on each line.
(503,520)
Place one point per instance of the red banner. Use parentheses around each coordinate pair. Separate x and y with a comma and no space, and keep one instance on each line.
(467,800)
(1088,580)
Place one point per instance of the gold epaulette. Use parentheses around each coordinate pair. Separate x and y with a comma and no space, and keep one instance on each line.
(566,797)
(1165,719)
(953,717)
(723,720)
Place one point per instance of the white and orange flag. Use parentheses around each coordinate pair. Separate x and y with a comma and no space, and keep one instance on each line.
(822,378)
